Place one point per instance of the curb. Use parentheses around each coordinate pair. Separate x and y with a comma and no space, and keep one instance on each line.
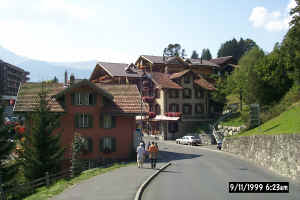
(138,195)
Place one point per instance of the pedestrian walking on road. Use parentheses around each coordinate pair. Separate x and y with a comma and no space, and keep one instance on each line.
(140,155)
(153,151)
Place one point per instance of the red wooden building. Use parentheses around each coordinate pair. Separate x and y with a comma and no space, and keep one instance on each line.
(103,114)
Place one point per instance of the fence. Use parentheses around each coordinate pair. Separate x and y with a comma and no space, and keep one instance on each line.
(49,179)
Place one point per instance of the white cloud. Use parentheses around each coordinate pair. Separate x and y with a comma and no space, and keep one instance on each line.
(260,17)
(61,7)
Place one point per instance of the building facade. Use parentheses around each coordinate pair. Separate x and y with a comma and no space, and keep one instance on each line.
(176,91)
(104,114)
(10,79)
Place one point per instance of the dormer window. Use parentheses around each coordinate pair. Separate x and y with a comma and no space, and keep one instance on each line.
(83,99)
(187,79)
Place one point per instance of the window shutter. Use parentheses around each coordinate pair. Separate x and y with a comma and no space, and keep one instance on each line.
(113,144)
(90,144)
(113,121)
(90,119)
(101,121)
(94,99)
(101,144)
(72,99)
(76,120)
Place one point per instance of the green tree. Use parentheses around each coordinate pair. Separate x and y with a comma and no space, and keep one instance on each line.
(236,48)
(78,145)
(174,50)
(291,45)
(55,80)
(206,55)
(41,149)
(7,170)
(195,55)
(244,80)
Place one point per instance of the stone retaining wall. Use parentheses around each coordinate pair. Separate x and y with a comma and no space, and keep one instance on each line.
(279,153)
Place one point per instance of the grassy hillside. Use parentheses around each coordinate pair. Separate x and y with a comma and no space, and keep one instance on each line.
(235,120)
(286,123)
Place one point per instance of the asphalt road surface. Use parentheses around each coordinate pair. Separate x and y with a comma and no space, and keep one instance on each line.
(201,174)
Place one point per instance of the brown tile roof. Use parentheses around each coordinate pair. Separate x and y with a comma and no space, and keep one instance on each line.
(127,98)
(118,69)
(163,80)
(221,60)
(160,59)
(205,84)
(28,100)
(179,74)
(202,62)
(154,59)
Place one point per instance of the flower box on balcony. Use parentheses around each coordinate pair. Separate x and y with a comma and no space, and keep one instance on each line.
(151,115)
(173,114)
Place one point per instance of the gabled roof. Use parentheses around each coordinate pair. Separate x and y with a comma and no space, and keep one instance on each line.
(28,100)
(179,74)
(154,59)
(221,60)
(201,62)
(163,80)
(204,84)
(82,83)
(127,98)
(163,60)
(116,69)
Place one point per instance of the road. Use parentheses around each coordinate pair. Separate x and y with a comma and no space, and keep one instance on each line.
(201,174)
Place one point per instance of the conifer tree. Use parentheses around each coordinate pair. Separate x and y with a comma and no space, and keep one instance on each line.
(41,149)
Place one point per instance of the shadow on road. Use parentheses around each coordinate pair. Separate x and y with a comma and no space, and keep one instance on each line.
(166,156)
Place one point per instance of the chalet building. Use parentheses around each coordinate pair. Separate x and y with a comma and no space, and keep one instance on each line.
(225,64)
(176,91)
(10,79)
(104,114)
(115,73)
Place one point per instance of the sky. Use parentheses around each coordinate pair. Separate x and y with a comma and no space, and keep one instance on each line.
(120,31)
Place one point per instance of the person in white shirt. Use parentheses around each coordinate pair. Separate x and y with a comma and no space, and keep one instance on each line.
(140,155)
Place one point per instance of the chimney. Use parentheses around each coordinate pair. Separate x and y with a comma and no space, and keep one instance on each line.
(72,79)
(66,78)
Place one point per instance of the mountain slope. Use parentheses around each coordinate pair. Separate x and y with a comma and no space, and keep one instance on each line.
(42,70)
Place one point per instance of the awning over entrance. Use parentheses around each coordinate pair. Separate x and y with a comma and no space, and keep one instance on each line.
(140,117)
(165,118)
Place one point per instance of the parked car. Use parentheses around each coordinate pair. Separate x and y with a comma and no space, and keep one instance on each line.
(189,140)
(10,121)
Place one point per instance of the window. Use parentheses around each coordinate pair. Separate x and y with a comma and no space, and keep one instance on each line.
(107,144)
(199,108)
(198,93)
(187,93)
(173,93)
(173,127)
(157,109)
(83,120)
(107,121)
(187,109)
(187,79)
(173,107)
(157,93)
(178,81)
(83,99)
